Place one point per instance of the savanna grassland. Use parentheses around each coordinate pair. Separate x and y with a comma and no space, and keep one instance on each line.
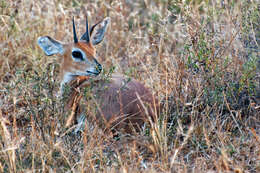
(200,58)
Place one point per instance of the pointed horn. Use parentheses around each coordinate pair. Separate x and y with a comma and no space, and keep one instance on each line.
(85,36)
(74,32)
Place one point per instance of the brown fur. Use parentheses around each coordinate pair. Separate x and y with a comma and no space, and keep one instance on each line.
(122,103)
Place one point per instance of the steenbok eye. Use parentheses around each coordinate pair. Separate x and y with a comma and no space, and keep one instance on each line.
(77,55)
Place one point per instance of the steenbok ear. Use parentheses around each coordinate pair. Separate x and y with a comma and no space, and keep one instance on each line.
(97,32)
(50,46)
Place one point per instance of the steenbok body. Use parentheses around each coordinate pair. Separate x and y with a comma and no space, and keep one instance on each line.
(121,103)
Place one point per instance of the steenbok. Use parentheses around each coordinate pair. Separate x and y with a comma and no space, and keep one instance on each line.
(121,103)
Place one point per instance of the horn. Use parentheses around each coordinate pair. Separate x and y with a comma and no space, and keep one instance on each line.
(85,36)
(74,32)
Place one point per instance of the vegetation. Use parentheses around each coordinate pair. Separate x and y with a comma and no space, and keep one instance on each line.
(201,59)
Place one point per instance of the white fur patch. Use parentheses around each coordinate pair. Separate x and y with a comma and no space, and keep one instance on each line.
(66,79)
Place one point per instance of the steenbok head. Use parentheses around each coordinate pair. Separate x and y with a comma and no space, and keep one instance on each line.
(79,57)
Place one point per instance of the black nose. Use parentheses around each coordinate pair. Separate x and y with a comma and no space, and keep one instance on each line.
(98,67)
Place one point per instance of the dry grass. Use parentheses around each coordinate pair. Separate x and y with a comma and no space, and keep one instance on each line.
(200,57)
